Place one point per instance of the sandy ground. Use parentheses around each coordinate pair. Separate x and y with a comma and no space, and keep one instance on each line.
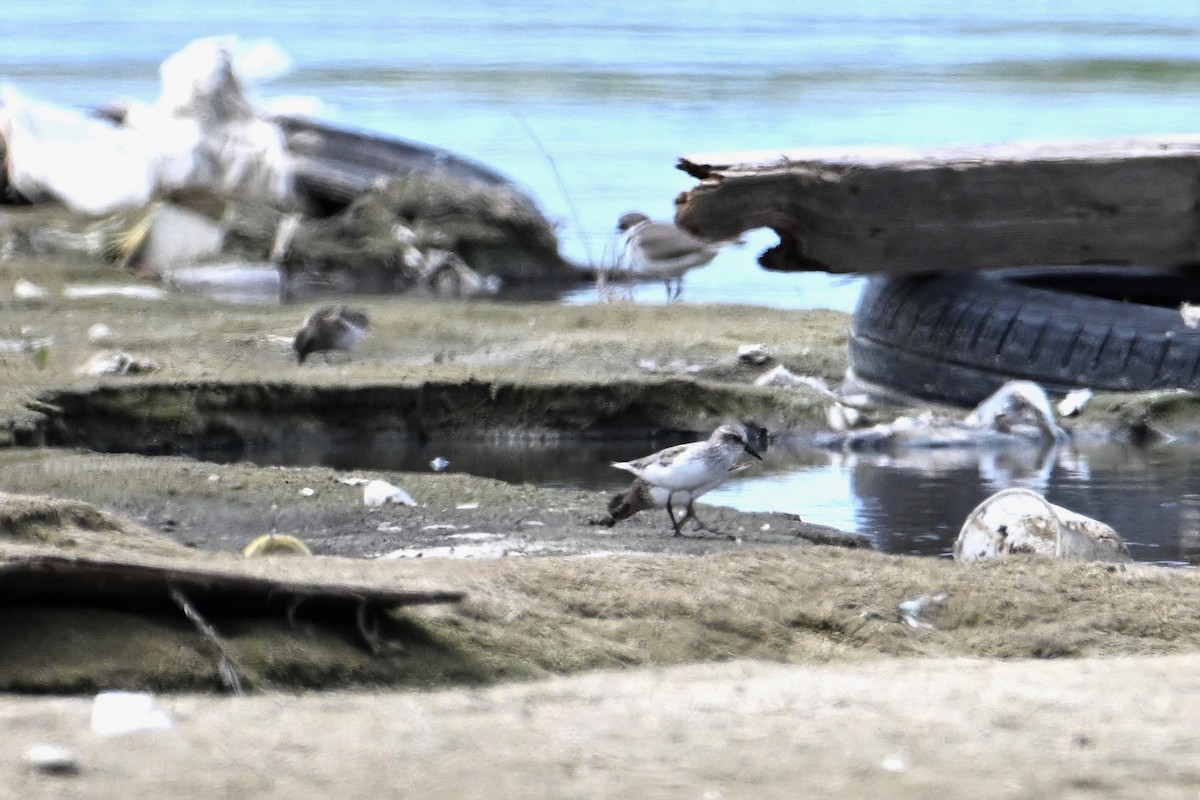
(863,709)
(898,729)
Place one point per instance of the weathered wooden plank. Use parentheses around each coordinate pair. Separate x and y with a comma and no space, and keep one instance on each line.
(95,581)
(904,210)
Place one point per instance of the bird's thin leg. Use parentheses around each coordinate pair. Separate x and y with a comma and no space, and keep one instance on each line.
(691,512)
(678,288)
(667,283)
(684,520)
(674,522)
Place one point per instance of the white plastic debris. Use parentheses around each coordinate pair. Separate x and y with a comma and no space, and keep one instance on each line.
(29,344)
(911,611)
(115,713)
(1189,313)
(1022,521)
(1017,413)
(117,362)
(779,375)
(756,354)
(99,333)
(841,417)
(1074,402)
(378,493)
(439,464)
(130,292)
(202,133)
(466,506)
(29,293)
(1013,404)
(234,282)
(52,759)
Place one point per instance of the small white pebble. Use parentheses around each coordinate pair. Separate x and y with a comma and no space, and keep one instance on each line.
(894,764)
(308,491)
(53,759)
(214,477)
(466,506)
(28,292)
(99,333)
(766,526)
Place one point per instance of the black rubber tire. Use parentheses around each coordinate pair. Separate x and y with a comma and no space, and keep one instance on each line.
(957,338)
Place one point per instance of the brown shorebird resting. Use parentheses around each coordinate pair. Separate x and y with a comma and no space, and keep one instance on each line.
(686,471)
(661,250)
(330,328)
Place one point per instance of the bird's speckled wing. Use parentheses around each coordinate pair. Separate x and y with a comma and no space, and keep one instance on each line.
(678,467)
(661,458)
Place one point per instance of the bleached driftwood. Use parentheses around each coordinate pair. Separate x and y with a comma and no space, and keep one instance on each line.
(904,210)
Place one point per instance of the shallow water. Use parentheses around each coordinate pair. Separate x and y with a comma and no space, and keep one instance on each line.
(911,503)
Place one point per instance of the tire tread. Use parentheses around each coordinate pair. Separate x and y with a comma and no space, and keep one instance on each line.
(958,337)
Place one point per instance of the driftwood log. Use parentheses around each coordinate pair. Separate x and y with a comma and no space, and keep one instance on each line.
(906,211)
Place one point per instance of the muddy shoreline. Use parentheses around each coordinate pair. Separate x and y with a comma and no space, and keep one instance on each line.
(552,594)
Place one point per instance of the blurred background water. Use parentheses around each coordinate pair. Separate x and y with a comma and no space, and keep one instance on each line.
(611,94)
(615,92)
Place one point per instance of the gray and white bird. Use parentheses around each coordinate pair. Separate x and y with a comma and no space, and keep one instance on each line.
(686,471)
(655,249)
(330,328)
(641,496)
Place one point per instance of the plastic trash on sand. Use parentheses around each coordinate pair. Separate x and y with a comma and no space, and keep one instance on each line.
(115,713)
(378,493)
(1018,413)
(1014,404)
(1022,521)
(202,133)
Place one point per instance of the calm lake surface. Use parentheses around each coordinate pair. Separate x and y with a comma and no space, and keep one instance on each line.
(590,105)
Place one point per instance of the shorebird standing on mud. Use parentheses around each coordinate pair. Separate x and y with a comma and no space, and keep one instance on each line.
(686,471)
(641,496)
(330,328)
(661,250)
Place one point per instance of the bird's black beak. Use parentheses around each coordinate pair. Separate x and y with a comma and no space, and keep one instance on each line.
(753,452)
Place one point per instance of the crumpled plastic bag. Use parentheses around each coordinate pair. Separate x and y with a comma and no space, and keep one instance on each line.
(201,133)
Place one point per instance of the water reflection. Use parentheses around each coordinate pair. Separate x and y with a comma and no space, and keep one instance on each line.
(909,503)
(917,503)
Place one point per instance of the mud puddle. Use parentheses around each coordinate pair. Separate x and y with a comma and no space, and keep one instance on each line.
(912,503)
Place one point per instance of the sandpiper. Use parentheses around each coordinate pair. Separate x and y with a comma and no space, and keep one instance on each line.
(661,250)
(330,328)
(686,471)
(641,496)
